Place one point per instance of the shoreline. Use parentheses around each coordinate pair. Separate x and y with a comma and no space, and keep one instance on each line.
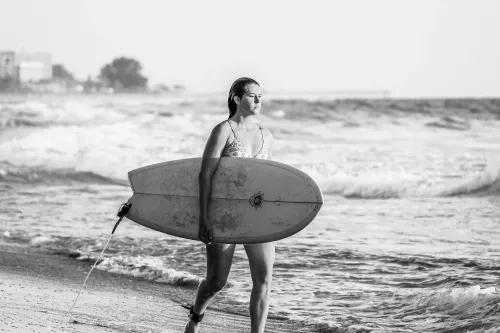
(37,289)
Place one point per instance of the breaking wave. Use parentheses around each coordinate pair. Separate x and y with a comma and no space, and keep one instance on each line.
(399,185)
(87,249)
(364,186)
(11,174)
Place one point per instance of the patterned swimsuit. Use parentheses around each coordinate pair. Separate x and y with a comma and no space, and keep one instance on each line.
(237,149)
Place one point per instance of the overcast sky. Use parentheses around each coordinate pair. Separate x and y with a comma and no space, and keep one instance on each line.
(413,48)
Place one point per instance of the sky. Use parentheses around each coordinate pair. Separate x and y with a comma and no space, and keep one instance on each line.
(411,48)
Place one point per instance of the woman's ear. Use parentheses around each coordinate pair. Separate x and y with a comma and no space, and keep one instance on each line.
(236,99)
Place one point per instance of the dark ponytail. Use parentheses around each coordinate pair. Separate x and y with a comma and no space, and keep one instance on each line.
(238,89)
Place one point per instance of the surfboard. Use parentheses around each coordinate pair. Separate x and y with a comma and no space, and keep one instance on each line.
(251,201)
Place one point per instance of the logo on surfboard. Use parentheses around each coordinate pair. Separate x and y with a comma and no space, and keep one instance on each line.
(256,200)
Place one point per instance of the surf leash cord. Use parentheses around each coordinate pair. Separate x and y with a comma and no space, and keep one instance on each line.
(124,208)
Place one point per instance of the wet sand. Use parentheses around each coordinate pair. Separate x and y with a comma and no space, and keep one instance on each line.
(37,290)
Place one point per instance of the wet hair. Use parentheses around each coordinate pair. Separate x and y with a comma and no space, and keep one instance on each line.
(238,89)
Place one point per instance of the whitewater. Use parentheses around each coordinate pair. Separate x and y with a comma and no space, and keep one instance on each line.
(408,239)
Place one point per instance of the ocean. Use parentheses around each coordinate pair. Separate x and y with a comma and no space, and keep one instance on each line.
(408,239)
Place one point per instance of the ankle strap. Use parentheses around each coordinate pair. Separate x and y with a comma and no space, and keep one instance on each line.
(193,315)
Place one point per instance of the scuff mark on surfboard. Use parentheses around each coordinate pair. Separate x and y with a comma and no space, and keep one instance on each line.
(184,221)
(237,177)
(278,201)
(277,222)
(228,222)
(240,179)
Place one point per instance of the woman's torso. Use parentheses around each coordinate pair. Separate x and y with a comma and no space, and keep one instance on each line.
(236,148)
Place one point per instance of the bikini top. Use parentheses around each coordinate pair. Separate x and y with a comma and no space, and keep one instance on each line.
(237,149)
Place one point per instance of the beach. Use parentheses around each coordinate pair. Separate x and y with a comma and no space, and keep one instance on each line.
(407,239)
(37,290)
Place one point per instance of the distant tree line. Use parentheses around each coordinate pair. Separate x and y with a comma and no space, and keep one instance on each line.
(121,74)
(124,74)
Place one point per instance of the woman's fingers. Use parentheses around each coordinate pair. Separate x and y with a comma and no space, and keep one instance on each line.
(206,235)
(210,235)
(201,235)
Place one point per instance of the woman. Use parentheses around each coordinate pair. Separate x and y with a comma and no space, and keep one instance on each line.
(239,136)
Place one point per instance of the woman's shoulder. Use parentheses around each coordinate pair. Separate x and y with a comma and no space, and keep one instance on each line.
(222,128)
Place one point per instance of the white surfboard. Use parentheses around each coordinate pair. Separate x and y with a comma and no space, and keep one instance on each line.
(252,200)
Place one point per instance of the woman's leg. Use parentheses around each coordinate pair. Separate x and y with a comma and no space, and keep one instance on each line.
(219,260)
(261,259)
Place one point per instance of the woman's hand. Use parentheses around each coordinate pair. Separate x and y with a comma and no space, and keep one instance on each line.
(205,234)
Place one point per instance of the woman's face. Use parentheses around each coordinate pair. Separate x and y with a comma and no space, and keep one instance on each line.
(250,101)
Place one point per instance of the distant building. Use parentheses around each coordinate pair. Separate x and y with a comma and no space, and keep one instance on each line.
(34,67)
(8,64)
(31,71)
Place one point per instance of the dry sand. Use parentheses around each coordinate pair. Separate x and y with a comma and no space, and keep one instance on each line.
(38,289)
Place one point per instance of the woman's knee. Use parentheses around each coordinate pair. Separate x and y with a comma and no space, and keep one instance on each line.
(216,284)
(263,279)
(261,258)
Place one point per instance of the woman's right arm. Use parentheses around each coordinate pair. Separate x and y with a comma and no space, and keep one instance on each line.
(211,156)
